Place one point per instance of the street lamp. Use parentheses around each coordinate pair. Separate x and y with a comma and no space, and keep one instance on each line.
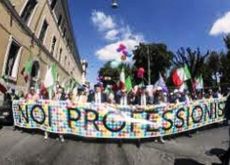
(114,4)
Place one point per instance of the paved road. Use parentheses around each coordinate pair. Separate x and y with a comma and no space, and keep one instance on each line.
(31,149)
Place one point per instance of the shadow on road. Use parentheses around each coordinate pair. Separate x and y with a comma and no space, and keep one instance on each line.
(222,154)
(186,162)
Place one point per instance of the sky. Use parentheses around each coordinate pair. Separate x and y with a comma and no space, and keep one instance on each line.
(99,29)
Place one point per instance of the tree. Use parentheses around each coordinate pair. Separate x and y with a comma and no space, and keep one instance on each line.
(225,60)
(212,66)
(112,75)
(194,59)
(159,56)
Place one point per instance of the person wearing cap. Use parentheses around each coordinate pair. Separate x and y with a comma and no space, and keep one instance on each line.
(97,96)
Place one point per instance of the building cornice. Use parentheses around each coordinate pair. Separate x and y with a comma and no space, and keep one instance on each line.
(70,25)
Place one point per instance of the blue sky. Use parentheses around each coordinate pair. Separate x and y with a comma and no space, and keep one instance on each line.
(178,23)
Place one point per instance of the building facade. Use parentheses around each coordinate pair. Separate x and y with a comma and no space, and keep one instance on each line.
(39,31)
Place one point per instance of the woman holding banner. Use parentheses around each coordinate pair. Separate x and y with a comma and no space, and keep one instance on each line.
(159,100)
(58,96)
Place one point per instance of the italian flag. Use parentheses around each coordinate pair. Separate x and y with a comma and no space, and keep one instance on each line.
(51,76)
(128,83)
(180,75)
(122,79)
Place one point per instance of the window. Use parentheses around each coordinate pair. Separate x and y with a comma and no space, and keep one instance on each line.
(35,73)
(65,60)
(64,32)
(59,20)
(43,31)
(63,24)
(60,53)
(68,41)
(53,4)
(27,11)
(12,62)
(54,40)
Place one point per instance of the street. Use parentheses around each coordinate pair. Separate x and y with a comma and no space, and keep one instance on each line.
(19,147)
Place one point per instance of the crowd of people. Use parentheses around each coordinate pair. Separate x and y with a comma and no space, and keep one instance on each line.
(138,95)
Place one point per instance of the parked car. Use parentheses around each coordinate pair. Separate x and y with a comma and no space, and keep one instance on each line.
(6,113)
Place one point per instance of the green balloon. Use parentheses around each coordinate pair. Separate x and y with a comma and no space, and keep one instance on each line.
(114,64)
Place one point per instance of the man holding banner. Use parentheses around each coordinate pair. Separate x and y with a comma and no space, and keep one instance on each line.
(226,156)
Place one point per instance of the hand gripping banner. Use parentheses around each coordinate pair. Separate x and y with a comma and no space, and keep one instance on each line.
(113,121)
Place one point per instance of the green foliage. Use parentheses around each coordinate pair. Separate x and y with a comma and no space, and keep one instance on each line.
(160,60)
(114,73)
(225,61)
(107,71)
(194,59)
(212,65)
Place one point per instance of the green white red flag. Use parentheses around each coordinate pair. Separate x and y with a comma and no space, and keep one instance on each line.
(51,76)
(128,84)
(122,79)
(181,75)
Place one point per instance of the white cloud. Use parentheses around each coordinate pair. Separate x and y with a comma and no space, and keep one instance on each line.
(115,34)
(221,25)
(112,35)
(109,52)
(102,21)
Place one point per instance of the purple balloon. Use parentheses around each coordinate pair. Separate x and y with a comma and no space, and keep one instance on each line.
(119,50)
(125,53)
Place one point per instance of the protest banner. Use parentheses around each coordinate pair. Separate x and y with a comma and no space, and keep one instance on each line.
(114,121)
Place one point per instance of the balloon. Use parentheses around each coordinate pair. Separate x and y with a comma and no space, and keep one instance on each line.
(118,50)
(129,55)
(125,53)
(140,72)
(114,64)
(121,48)
(123,57)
